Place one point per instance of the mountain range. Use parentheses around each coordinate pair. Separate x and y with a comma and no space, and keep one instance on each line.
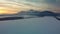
(31,14)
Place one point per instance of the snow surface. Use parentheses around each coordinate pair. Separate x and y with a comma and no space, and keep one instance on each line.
(42,25)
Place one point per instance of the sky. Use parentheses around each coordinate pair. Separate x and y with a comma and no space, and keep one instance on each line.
(15,6)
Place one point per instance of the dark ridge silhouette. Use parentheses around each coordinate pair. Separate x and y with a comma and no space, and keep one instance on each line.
(57,18)
(13,18)
(10,18)
(41,13)
(49,13)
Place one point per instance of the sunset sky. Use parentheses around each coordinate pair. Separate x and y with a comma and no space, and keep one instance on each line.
(15,6)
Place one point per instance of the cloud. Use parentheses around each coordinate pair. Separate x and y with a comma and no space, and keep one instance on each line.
(22,5)
(42,4)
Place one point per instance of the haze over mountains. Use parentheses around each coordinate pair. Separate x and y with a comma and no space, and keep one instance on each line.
(39,13)
(30,14)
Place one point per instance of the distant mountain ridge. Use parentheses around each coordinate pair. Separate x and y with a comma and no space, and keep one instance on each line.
(40,13)
(31,14)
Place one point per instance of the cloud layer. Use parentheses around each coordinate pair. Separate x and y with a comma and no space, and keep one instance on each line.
(15,6)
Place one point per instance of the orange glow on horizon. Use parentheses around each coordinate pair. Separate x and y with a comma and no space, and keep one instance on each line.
(7,12)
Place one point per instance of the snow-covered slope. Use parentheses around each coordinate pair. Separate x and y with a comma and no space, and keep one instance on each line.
(42,25)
